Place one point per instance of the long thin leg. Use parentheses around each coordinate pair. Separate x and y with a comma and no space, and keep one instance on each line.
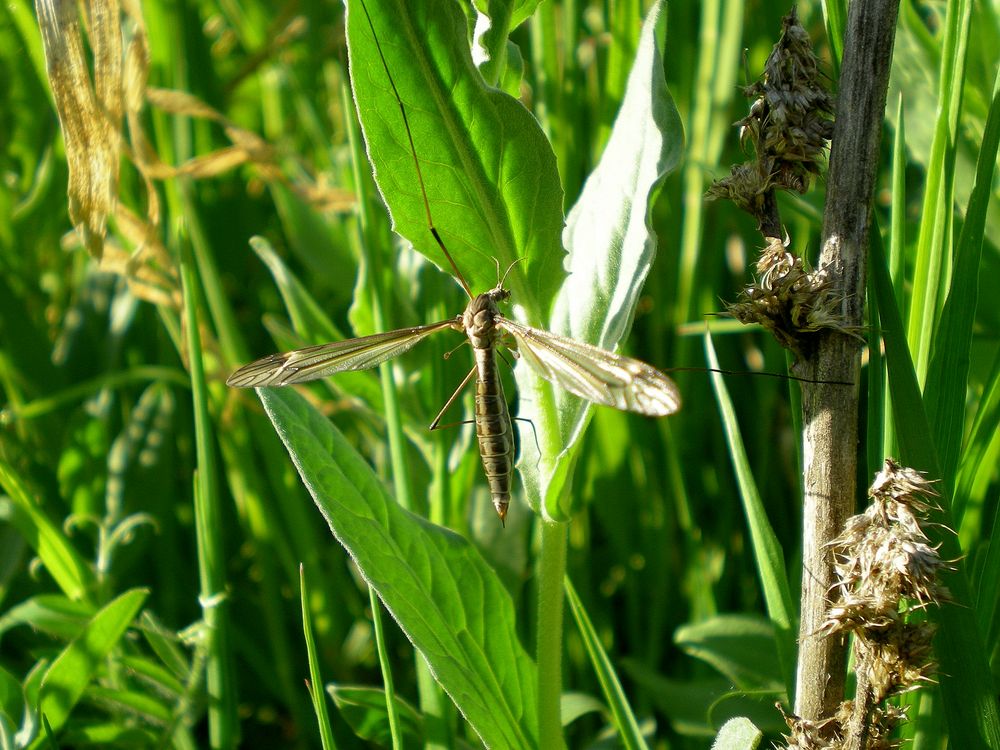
(535,434)
(436,424)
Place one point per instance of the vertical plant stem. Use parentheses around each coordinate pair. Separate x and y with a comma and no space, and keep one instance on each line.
(220,688)
(395,731)
(551,570)
(830,412)
(858,726)
(316,689)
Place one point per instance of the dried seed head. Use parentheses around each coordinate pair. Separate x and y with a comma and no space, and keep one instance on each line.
(789,300)
(887,573)
(831,733)
(793,108)
(812,735)
(788,125)
(883,556)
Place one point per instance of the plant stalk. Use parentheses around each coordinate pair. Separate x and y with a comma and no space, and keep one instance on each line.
(830,412)
(551,570)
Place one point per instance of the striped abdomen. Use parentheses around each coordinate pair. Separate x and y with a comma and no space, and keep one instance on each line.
(493,427)
(494,430)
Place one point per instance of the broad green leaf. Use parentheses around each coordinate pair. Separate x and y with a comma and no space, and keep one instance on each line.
(489,172)
(611,247)
(492,25)
(446,599)
(72,671)
(741,647)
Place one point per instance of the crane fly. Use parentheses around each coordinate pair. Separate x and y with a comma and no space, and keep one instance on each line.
(590,372)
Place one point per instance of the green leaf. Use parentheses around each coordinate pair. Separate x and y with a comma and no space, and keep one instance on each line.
(489,172)
(947,380)
(767,548)
(611,248)
(11,699)
(53,614)
(932,264)
(972,712)
(114,734)
(309,320)
(574,705)
(444,596)
(49,542)
(148,706)
(70,674)
(699,707)
(624,718)
(315,676)
(741,647)
(738,734)
(364,708)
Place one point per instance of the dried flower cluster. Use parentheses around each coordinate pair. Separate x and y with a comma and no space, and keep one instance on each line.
(888,571)
(789,300)
(788,126)
(831,733)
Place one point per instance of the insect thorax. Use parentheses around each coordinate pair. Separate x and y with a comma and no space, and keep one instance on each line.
(479,318)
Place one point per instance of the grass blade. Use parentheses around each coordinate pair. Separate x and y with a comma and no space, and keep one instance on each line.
(766,547)
(611,686)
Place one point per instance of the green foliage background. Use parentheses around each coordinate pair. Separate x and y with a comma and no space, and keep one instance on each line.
(146,505)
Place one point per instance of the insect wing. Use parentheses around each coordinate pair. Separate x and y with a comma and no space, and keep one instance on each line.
(595,374)
(315,362)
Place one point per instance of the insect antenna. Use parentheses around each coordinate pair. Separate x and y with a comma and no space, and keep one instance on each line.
(505,273)
(416,161)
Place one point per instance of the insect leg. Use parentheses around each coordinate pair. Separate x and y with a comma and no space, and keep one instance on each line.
(436,424)
(538,447)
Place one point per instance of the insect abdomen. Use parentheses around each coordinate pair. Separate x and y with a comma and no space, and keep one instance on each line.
(494,431)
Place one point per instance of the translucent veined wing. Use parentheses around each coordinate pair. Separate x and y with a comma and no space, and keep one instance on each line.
(595,374)
(315,362)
